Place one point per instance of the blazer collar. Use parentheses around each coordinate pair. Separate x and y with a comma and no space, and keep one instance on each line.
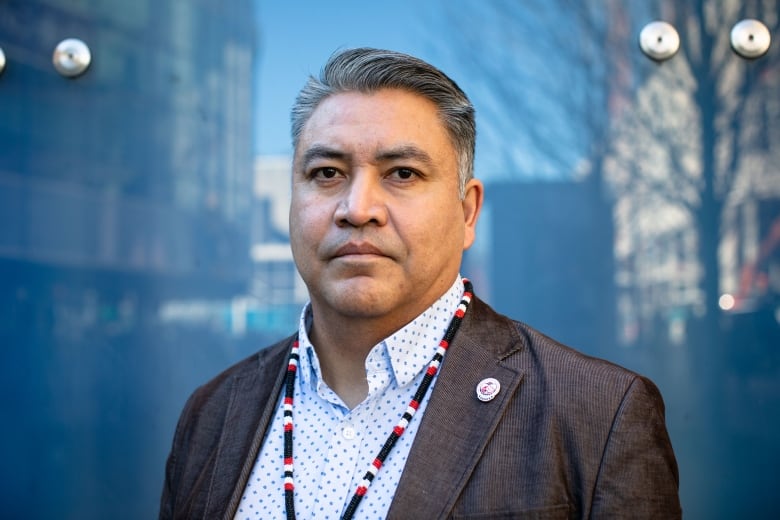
(456,425)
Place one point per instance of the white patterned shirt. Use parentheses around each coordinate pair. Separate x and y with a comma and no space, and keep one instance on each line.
(333,446)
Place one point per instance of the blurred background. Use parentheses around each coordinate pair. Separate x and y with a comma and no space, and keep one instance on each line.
(633,212)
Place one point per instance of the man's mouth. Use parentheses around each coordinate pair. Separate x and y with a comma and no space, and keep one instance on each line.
(357,249)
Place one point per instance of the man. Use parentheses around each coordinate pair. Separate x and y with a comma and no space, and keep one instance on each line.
(402,395)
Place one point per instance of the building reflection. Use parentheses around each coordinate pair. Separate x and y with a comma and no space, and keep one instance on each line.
(122,191)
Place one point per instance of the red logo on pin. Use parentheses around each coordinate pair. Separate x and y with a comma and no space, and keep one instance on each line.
(488,389)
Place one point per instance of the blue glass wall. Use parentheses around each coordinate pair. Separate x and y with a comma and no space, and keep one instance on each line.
(125,197)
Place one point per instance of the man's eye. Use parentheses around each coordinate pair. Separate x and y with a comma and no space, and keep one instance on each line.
(325,173)
(404,173)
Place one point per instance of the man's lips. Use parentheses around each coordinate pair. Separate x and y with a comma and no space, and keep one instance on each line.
(353,248)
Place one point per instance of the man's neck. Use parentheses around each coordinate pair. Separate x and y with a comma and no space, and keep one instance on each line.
(342,343)
(342,349)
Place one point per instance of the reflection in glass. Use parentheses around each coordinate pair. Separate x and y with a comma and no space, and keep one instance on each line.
(681,157)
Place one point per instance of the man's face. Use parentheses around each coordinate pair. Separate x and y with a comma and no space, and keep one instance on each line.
(376,224)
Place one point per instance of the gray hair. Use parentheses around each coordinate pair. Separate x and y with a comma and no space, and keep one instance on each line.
(369,70)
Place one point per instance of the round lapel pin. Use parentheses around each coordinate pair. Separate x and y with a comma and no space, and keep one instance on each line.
(488,389)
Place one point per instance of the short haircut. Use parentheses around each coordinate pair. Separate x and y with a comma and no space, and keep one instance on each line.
(368,70)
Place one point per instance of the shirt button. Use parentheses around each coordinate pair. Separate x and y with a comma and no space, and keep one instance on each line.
(348,433)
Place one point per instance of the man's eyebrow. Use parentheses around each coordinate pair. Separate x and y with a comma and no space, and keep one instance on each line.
(319,151)
(404,152)
(409,151)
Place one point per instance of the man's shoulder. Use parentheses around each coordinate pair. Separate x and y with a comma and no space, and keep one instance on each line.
(548,361)
(258,361)
(557,356)
(261,367)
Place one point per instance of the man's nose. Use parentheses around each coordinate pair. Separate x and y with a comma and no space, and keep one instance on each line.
(363,202)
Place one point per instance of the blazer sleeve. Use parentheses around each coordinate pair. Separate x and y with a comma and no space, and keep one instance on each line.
(638,476)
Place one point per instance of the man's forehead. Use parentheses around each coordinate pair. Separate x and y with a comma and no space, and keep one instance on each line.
(408,117)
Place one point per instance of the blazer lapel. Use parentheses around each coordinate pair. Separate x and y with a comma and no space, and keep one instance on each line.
(457,425)
(249,413)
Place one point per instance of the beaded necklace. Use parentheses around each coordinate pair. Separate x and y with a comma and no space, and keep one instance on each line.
(395,434)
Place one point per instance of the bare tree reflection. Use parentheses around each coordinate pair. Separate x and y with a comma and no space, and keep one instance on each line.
(688,158)
(683,156)
(680,150)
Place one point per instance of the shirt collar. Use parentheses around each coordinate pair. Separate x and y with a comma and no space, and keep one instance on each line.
(402,348)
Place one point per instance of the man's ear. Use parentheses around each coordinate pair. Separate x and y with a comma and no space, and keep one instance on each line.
(472,205)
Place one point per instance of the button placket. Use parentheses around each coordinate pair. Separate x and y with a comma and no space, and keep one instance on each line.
(348,432)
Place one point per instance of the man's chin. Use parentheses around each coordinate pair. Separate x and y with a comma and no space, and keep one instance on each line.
(360,297)
(358,306)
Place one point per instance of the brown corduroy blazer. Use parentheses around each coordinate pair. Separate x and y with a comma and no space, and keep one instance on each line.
(568,436)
